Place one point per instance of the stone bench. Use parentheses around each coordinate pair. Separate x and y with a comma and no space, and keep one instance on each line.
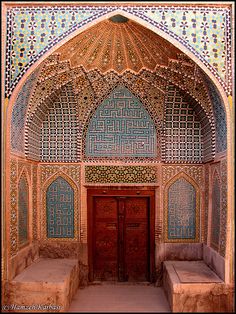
(191,286)
(48,285)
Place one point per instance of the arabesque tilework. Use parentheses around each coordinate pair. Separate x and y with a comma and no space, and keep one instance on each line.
(224,207)
(216,212)
(35,201)
(120,174)
(33,30)
(121,127)
(23,211)
(206,203)
(48,170)
(193,171)
(13,210)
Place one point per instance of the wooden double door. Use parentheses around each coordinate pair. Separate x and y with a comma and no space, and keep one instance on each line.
(121,235)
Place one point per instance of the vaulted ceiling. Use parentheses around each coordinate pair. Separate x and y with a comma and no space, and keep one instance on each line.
(119,44)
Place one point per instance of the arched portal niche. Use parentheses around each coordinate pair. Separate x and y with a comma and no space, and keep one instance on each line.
(95,87)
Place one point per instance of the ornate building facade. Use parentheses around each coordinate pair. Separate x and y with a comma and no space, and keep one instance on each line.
(107,97)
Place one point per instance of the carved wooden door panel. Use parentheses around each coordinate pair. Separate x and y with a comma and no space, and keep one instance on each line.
(136,244)
(105,238)
(121,238)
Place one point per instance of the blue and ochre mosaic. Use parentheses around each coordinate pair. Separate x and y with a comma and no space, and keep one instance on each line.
(60,209)
(120,174)
(220,117)
(32,31)
(121,127)
(182,204)
(215,216)
(19,113)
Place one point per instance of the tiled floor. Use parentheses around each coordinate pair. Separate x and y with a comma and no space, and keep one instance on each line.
(120,297)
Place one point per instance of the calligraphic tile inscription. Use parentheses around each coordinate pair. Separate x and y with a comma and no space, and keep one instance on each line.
(60,209)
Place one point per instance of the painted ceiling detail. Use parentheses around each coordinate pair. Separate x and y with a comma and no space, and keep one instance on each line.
(33,30)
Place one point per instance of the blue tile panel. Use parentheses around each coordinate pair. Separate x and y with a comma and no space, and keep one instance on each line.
(60,209)
(181,210)
(59,128)
(19,114)
(32,31)
(121,127)
(23,211)
(219,115)
(215,220)
(183,139)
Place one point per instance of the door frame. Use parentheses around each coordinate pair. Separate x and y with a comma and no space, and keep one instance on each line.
(148,192)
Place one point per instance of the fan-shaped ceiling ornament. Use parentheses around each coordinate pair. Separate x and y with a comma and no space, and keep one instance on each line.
(118,43)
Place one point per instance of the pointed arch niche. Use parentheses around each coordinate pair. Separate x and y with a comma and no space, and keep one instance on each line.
(185,180)
(181,209)
(59,218)
(121,127)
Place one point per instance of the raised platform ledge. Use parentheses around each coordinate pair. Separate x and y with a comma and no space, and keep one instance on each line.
(47,282)
(191,286)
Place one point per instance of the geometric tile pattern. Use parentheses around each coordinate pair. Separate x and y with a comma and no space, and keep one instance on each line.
(48,173)
(195,172)
(33,30)
(204,30)
(60,209)
(206,207)
(219,116)
(59,129)
(13,206)
(181,210)
(48,170)
(183,138)
(19,114)
(34,202)
(121,127)
(224,204)
(23,211)
(215,215)
(120,174)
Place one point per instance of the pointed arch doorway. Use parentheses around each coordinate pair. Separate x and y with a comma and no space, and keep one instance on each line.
(121,234)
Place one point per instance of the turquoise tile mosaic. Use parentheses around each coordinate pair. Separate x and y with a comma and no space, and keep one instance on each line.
(121,127)
(33,30)
(219,116)
(181,210)
(215,221)
(60,209)
(23,211)
(19,113)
